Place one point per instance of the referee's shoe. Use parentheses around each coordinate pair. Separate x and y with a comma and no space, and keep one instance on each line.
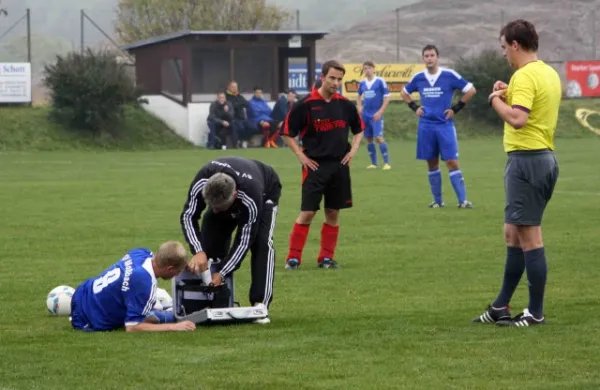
(492,315)
(523,319)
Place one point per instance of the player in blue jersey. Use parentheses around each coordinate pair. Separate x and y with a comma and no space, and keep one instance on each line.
(125,293)
(436,133)
(373,99)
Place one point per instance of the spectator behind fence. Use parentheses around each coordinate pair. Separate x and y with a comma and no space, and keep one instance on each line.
(259,116)
(283,105)
(242,130)
(220,123)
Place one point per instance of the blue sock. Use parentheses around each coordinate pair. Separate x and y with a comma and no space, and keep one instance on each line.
(435,182)
(162,317)
(537,269)
(372,153)
(458,182)
(384,152)
(513,271)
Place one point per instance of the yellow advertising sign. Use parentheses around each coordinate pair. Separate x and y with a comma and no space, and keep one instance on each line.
(395,75)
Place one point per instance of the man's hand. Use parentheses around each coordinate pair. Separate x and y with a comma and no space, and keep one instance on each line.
(377,116)
(217,280)
(198,263)
(498,85)
(360,110)
(184,326)
(501,93)
(420,111)
(225,123)
(449,113)
(307,162)
(347,158)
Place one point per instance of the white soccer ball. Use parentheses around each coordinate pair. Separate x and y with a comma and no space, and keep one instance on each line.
(163,300)
(58,300)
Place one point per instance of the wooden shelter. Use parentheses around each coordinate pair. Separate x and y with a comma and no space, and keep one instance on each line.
(192,66)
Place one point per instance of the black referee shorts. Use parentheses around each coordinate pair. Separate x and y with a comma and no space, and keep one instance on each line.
(529,181)
(332,181)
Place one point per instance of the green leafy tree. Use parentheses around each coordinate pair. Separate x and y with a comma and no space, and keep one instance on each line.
(141,19)
(90,90)
(483,70)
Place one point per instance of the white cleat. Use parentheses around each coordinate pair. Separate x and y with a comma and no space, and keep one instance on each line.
(262,321)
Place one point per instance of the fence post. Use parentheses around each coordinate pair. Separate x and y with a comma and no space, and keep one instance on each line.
(81,30)
(28,35)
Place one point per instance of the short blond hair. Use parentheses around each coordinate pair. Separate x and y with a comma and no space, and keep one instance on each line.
(171,253)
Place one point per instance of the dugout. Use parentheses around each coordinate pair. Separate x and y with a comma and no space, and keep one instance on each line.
(192,66)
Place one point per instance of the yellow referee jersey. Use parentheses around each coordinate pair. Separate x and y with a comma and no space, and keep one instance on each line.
(534,88)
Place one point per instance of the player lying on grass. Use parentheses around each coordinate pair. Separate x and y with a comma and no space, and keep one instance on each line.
(125,293)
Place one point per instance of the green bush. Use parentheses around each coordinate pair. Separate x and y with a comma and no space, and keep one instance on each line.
(90,91)
(483,70)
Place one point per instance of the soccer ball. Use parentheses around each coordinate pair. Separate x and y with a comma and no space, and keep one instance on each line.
(163,300)
(58,301)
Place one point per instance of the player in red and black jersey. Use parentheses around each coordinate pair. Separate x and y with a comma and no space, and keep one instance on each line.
(324,120)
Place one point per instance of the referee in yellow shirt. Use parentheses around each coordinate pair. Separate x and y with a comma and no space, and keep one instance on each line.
(529,107)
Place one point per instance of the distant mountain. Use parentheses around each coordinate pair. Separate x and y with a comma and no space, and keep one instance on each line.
(463,27)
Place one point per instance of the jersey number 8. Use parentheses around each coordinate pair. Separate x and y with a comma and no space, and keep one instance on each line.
(102,282)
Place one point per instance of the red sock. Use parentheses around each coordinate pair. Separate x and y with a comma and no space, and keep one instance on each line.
(329,238)
(297,241)
(275,136)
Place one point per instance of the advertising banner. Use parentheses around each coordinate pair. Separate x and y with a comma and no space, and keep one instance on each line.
(395,75)
(297,77)
(15,82)
(583,78)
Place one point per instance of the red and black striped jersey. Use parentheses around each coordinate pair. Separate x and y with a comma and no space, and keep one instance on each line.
(324,126)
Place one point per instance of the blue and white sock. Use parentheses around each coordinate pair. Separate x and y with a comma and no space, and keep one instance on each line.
(458,182)
(384,152)
(372,153)
(435,182)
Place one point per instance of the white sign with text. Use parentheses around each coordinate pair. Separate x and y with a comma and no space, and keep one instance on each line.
(15,82)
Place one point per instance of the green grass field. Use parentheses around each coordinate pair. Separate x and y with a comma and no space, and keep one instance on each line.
(396,316)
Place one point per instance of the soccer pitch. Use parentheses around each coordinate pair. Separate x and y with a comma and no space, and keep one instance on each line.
(396,315)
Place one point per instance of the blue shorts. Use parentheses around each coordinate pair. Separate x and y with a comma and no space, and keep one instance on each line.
(373,129)
(78,319)
(434,141)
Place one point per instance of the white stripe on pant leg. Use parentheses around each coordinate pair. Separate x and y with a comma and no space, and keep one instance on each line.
(270,261)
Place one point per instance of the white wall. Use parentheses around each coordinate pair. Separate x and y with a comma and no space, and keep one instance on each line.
(173,114)
(189,123)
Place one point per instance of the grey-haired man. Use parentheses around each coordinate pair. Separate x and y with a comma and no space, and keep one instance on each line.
(237,193)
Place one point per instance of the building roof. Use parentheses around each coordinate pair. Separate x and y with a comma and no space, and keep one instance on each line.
(188,33)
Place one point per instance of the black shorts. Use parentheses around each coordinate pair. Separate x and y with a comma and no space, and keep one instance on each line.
(529,180)
(332,181)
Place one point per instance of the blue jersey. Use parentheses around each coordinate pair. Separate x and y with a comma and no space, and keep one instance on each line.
(436,91)
(122,295)
(373,93)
